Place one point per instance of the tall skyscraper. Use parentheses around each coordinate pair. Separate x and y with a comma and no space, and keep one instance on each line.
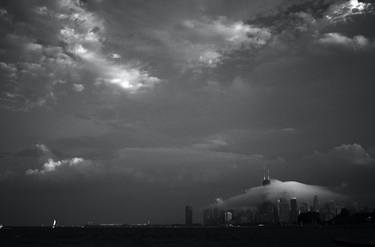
(293,211)
(188,215)
(228,216)
(283,210)
(316,204)
(266,177)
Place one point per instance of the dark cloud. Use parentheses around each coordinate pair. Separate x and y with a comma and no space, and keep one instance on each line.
(63,54)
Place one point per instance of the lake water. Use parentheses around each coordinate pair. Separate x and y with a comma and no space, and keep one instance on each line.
(181,237)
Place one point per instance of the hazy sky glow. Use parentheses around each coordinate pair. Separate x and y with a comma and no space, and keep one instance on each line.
(119,111)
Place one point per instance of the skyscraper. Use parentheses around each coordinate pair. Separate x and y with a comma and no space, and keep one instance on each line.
(228,217)
(316,204)
(188,215)
(266,177)
(293,210)
(283,211)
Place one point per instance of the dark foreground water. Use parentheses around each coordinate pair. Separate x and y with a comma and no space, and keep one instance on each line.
(169,236)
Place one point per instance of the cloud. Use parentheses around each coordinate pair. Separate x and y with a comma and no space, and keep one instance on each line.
(41,10)
(124,76)
(9,69)
(278,189)
(43,148)
(357,41)
(52,165)
(288,130)
(3,12)
(29,79)
(353,154)
(68,47)
(297,25)
(116,56)
(206,41)
(213,142)
(342,11)
(78,87)
(231,33)
(4,15)
(84,32)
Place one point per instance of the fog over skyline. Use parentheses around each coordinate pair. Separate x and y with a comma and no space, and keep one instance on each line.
(279,190)
(123,111)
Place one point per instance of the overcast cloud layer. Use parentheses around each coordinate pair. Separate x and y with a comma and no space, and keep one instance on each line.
(120,111)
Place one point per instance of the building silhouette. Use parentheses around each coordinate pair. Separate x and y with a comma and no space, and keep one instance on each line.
(283,211)
(293,210)
(188,215)
(309,218)
(266,177)
(244,216)
(267,213)
(303,207)
(213,216)
(329,211)
(315,207)
(228,216)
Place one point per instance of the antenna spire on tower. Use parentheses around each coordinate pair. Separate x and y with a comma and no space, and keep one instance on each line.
(266,177)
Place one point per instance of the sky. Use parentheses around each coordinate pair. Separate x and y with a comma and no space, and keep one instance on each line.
(124,111)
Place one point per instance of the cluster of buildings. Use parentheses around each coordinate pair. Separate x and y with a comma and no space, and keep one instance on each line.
(284,211)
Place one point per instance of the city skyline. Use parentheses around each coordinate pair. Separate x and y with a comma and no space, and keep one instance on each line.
(124,111)
(280,203)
